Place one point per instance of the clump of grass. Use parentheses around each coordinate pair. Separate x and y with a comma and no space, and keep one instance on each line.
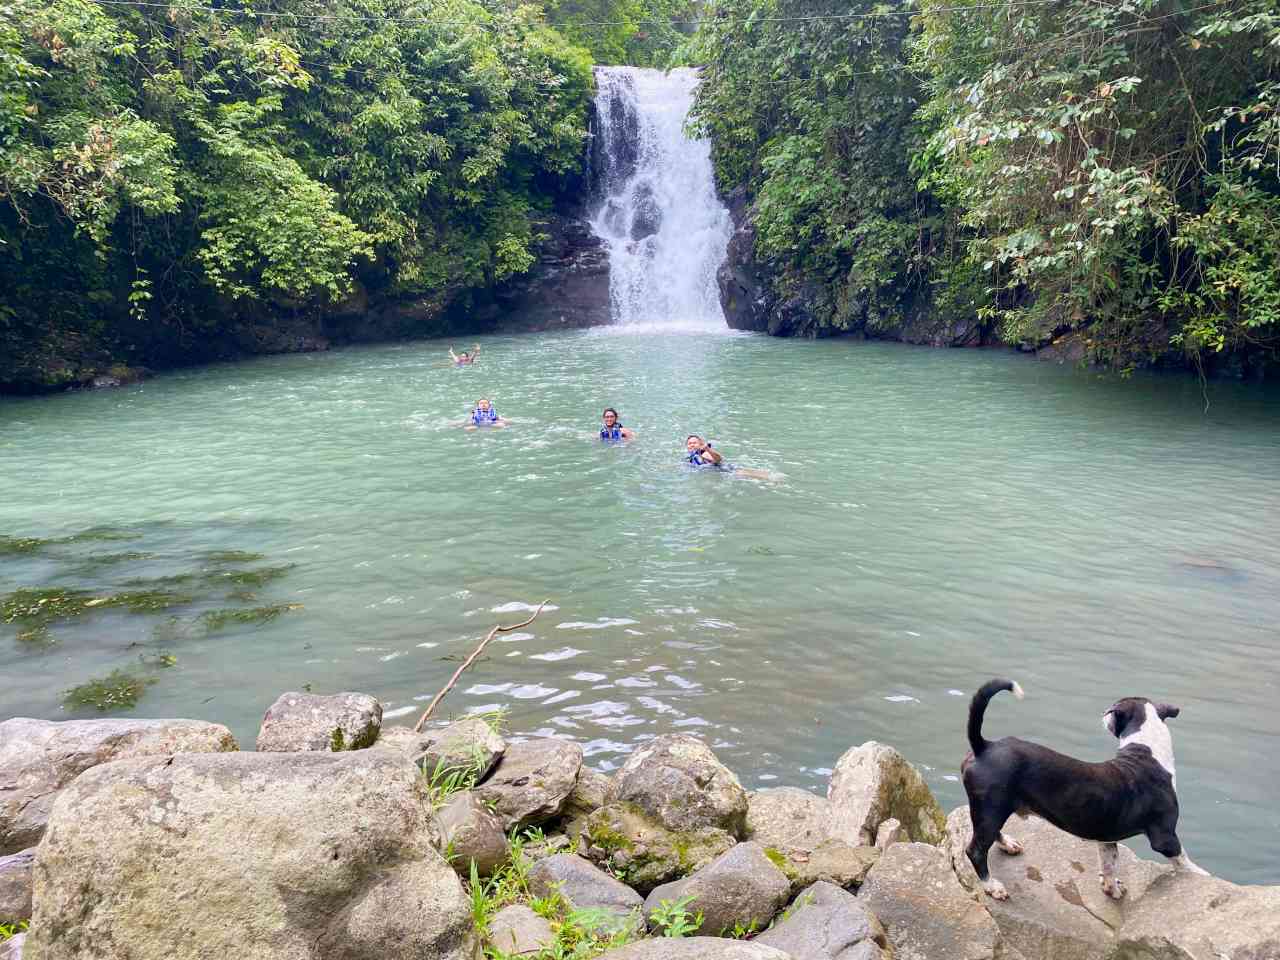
(38,606)
(145,601)
(215,620)
(232,556)
(255,577)
(116,691)
(10,930)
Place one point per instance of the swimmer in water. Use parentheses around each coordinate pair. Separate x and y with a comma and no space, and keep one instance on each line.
(464,358)
(698,453)
(484,416)
(613,429)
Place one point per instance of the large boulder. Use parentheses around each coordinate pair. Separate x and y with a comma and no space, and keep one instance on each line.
(873,783)
(469,747)
(275,856)
(309,721)
(827,923)
(516,931)
(632,843)
(1056,906)
(833,861)
(678,781)
(927,914)
(788,818)
(15,885)
(471,834)
(588,794)
(695,948)
(532,781)
(1183,916)
(12,949)
(740,890)
(40,757)
(582,886)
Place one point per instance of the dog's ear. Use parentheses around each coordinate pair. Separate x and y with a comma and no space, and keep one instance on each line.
(1167,711)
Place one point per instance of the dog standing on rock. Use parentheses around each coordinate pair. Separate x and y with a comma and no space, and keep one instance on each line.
(1133,793)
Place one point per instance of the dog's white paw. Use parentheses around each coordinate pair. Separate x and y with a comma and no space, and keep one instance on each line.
(1113,888)
(995,889)
(1009,845)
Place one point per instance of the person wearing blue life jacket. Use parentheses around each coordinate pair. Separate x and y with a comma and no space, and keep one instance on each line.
(613,430)
(484,415)
(698,453)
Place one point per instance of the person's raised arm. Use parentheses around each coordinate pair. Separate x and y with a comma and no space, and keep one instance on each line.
(627,434)
(706,451)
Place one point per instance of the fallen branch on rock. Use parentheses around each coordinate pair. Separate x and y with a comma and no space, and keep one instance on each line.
(469,661)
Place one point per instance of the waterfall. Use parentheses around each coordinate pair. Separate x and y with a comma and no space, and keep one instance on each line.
(656,203)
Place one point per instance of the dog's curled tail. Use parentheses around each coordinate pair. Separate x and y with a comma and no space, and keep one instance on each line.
(978,707)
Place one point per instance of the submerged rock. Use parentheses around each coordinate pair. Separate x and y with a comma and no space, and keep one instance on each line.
(275,856)
(678,782)
(309,721)
(927,914)
(632,843)
(827,923)
(873,783)
(40,757)
(738,891)
(532,781)
(15,885)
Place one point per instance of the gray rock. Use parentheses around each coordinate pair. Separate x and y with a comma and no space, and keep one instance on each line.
(630,841)
(695,948)
(678,782)
(741,889)
(40,757)
(469,746)
(1056,906)
(588,794)
(787,818)
(12,949)
(309,721)
(826,923)
(532,781)
(833,861)
(889,833)
(470,833)
(15,885)
(873,783)
(548,846)
(275,856)
(517,931)
(927,913)
(583,887)
(403,740)
(1182,916)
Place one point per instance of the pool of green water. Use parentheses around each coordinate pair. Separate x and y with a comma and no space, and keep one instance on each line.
(940,517)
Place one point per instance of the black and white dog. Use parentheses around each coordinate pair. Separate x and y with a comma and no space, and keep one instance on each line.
(1131,794)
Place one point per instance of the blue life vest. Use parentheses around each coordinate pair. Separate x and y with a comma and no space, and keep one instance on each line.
(484,417)
(611,434)
(695,458)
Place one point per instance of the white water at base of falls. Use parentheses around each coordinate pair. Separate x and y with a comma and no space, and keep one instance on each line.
(657,206)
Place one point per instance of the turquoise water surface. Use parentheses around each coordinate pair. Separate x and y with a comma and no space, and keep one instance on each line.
(943,516)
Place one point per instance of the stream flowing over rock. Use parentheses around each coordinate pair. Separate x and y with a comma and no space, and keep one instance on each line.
(40,757)
(274,856)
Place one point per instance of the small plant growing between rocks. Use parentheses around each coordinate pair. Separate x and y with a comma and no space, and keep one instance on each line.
(672,917)
(10,930)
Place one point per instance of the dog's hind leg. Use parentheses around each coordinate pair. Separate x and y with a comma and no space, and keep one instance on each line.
(986,831)
(1008,844)
(1108,853)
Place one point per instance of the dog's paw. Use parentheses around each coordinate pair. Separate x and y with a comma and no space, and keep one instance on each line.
(1113,888)
(1009,845)
(995,889)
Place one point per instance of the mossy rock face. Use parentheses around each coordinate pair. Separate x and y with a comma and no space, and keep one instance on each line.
(625,839)
(833,861)
(306,721)
(873,783)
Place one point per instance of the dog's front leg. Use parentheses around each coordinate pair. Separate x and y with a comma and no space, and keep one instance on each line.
(1108,853)
(1183,862)
(1164,841)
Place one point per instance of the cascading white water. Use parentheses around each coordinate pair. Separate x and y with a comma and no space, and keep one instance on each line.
(657,206)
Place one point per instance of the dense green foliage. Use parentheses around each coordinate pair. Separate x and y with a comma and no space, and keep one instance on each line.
(1104,171)
(171,173)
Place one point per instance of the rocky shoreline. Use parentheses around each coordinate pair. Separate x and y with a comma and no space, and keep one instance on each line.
(340,838)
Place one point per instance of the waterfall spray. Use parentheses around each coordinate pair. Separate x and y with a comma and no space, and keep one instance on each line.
(657,206)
